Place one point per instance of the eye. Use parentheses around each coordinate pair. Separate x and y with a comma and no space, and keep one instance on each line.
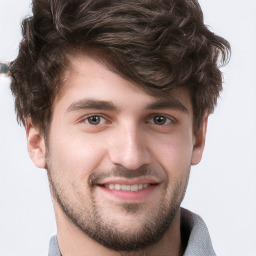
(160,120)
(95,120)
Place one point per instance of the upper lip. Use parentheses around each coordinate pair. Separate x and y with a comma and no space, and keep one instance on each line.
(124,181)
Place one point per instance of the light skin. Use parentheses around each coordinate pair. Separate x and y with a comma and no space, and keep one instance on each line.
(107,132)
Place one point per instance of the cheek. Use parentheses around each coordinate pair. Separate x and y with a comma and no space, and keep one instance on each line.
(75,153)
(174,153)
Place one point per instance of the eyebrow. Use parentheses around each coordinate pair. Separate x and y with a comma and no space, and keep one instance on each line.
(91,104)
(168,103)
(165,103)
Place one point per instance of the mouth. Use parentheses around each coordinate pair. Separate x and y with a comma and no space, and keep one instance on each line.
(124,187)
(127,190)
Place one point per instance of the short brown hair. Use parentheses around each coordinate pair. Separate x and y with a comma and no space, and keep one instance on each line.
(158,44)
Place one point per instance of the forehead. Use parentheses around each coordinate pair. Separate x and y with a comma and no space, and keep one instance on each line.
(91,78)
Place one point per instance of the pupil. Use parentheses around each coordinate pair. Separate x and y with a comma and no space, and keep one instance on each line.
(94,120)
(159,120)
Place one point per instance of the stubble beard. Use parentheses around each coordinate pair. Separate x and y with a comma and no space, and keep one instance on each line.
(107,232)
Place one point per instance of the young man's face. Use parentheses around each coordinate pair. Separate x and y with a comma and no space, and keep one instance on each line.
(118,159)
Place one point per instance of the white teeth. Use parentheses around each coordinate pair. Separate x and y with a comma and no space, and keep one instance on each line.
(134,187)
(125,187)
(117,187)
(111,186)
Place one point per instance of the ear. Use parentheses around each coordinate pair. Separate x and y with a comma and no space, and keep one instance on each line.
(199,142)
(35,144)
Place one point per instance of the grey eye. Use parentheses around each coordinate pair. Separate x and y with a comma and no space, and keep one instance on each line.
(160,120)
(94,120)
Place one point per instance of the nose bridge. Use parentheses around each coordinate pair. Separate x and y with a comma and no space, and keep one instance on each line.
(129,147)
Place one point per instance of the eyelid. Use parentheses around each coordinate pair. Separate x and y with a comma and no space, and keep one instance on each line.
(172,119)
(107,119)
(85,117)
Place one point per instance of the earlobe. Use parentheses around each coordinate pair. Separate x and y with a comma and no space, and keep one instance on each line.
(199,142)
(35,144)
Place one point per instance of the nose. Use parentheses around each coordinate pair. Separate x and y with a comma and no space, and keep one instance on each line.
(129,147)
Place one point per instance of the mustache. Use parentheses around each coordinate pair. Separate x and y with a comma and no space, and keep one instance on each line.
(122,172)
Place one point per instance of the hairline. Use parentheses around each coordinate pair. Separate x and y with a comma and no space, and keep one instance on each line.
(101,56)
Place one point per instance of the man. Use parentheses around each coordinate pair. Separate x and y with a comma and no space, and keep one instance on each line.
(115,97)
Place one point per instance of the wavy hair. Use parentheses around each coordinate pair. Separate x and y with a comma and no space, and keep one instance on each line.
(159,44)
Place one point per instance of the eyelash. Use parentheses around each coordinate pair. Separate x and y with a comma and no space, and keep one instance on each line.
(167,119)
(100,116)
(86,118)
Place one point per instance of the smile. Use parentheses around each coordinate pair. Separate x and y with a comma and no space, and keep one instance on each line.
(128,190)
(134,187)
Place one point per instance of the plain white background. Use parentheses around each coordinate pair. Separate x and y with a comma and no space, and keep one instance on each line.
(222,187)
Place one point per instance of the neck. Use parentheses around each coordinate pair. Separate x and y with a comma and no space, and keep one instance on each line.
(73,241)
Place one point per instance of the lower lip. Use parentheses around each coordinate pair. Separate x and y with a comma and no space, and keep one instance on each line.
(130,195)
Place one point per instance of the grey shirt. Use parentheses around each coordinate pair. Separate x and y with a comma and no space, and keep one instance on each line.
(193,230)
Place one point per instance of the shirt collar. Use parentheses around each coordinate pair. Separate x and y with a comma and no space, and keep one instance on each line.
(198,239)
